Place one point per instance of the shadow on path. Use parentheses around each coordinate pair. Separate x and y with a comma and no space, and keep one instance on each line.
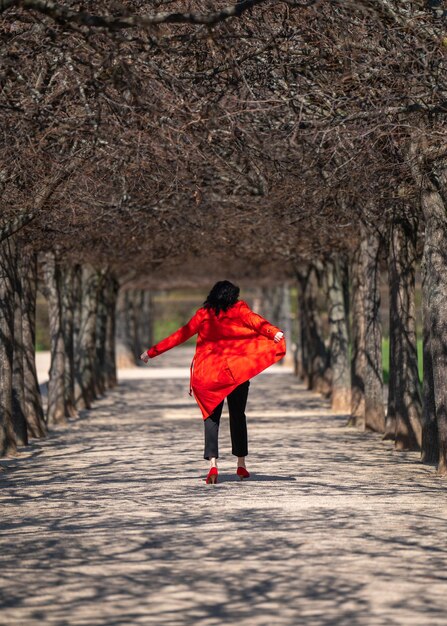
(109,520)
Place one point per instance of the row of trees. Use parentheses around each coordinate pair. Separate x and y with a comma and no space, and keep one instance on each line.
(81,304)
(347,363)
(290,137)
(339,337)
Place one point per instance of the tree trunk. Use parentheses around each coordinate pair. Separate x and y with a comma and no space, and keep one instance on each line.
(126,329)
(304,354)
(86,339)
(404,381)
(67,312)
(33,399)
(298,356)
(77,315)
(146,331)
(275,307)
(8,444)
(18,382)
(358,352)
(270,304)
(374,407)
(285,320)
(390,419)
(56,390)
(430,443)
(111,294)
(339,346)
(435,295)
(101,332)
(315,357)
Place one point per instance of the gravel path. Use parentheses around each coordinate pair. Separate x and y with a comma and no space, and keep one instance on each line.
(109,521)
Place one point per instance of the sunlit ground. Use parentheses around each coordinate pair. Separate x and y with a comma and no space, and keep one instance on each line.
(109,520)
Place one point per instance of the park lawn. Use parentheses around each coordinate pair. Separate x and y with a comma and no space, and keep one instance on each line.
(386,359)
(165,327)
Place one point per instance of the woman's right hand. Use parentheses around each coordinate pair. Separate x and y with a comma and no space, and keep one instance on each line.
(144,357)
(279,335)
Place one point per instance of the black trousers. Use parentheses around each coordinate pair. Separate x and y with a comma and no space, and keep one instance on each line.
(237,401)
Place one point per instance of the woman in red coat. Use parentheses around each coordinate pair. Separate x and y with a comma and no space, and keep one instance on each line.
(233,345)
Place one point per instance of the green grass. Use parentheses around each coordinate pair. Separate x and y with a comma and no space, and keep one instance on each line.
(165,327)
(162,328)
(386,359)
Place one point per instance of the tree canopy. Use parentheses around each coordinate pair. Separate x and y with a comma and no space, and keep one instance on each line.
(264,139)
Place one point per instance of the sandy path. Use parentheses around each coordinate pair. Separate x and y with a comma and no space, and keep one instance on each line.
(109,520)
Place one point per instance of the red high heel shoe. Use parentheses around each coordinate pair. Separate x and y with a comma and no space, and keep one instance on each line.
(242,473)
(211,479)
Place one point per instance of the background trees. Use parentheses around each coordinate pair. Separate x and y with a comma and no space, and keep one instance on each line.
(290,141)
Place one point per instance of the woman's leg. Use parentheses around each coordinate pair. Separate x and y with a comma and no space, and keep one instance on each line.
(211,425)
(237,401)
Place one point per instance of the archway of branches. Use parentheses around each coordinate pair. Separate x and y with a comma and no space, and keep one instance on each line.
(267,141)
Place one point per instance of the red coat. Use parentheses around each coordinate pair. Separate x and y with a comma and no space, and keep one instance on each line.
(231,348)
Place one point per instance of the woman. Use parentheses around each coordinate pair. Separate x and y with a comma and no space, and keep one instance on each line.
(233,345)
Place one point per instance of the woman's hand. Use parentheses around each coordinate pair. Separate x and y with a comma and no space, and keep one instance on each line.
(279,335)
(144,357)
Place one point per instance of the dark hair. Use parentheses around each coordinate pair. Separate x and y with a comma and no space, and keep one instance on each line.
(222,296)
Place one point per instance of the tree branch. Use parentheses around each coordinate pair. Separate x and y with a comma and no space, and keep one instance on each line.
(25,218)
(17,224)
(62,13)
(392,111)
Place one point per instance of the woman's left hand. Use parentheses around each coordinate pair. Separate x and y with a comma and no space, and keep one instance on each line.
(144,357)
(279,335)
